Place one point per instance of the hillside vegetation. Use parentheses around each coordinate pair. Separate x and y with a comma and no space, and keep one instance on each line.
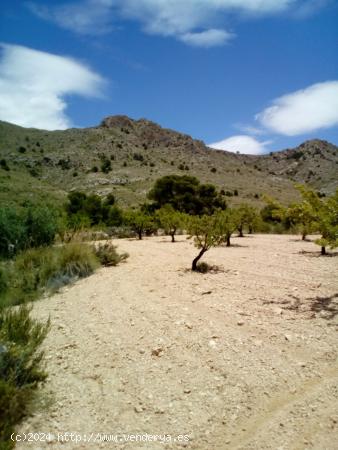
(126,156)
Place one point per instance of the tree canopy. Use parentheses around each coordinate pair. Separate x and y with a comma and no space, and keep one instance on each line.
(186,194)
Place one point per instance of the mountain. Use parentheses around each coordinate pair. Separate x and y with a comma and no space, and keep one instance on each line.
(126,156)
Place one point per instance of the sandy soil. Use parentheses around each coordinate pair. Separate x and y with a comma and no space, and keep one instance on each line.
(245,358)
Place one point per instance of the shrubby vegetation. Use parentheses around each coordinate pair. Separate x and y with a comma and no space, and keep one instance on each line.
(85,211)
(31,265)
(45,269)
(21,369)
(108,255)
(32,226)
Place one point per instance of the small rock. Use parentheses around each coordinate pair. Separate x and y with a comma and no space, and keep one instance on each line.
(157,352)
(212,343)
(138,409)
(240,323)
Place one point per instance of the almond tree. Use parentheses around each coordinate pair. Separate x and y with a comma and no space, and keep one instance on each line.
(324,217)
(301,215)
(207,232)
(170,220)
(139,222)
(228,224)
(245,216)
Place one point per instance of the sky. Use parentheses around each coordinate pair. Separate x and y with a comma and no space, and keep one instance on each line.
(252,76)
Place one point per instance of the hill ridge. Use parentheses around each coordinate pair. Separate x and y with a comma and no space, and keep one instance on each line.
(126,156)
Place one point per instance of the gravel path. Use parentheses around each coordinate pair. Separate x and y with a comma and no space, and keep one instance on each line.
(245,358)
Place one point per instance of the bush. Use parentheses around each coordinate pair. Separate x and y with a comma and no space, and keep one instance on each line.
(203,267)
(3,281)
(41,226)
(4,165)
(12,232)
(108,255)
(34,226)
(87,210)
(20,367)
(138,157)
(121,232)
(106,165)
(47,269)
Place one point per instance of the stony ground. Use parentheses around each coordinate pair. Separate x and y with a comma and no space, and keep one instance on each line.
(244,358)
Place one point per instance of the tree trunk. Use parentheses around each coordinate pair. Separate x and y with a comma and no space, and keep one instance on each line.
(303,237)
(172,237)
(198,257)
(228,241)
(139,235)
(323,252)
(250,230)
(240,231)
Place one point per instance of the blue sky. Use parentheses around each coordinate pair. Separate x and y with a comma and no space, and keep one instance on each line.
(249,75)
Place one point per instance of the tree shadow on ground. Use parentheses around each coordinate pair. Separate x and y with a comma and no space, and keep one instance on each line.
(328,305)
(317,254)
(170,242)
(300,240)
(234,245)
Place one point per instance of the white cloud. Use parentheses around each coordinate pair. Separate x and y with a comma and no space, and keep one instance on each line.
(90,17)
(303,111)
(249,129)
(195,22)
(33,86)
(208,38)
(242,144)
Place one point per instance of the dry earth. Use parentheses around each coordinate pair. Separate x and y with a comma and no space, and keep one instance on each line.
(245,358)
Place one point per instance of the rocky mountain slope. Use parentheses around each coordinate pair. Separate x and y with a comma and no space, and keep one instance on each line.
(126,156)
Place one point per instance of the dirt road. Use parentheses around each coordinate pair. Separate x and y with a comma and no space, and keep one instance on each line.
(245,358)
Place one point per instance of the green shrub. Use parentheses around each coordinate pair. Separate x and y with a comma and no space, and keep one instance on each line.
(20,367)
(85,210)
(4,165)
(203,267)
(138,157)
(106,165)
(3,281)
(12,231)
(108,255)
(41,225)
(33,226)
(47,269)
(121,232)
